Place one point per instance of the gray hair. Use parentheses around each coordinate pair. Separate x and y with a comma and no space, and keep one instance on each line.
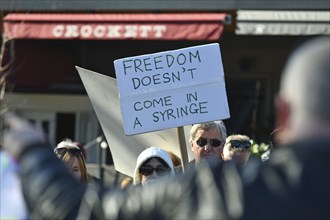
(305,81)
(208,126)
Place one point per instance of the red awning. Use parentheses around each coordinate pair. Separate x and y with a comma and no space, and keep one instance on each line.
(180,26)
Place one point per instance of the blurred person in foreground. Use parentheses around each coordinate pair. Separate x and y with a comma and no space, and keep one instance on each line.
(12,203)
(293,184)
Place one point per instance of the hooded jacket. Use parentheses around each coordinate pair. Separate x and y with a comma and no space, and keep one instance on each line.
(150,153)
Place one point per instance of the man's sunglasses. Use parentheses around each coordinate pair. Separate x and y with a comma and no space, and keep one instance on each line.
(240,144)
(213,142)
(148,170)
(62,151)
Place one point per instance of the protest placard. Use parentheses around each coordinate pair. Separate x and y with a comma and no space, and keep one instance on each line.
(102,91)
(171,88)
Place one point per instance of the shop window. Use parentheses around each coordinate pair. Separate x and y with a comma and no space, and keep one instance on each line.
(42,120)
(65,126)
(249,100)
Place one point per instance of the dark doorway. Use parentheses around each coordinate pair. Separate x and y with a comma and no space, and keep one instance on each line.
(65,126)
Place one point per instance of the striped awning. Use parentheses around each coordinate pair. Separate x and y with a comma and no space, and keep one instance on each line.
(283,22)
(174,26)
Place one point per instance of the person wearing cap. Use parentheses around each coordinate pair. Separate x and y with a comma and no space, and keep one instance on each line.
(151,164)
(74,158)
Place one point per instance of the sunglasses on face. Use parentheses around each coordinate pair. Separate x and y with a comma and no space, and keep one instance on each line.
(148,170)
(240,144)
(213,142)
(62,151)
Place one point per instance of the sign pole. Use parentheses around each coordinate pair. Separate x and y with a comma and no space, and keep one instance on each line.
(183,149)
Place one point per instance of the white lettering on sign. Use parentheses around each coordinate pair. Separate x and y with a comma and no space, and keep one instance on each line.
(99,31)
(130,31)
(159,30)
(145,30)
(109,31)
(58,31)
(114,31)
(71,31)
(85,31)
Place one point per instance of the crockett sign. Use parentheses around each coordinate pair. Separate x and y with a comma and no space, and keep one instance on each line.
(172,88)
(108,31)
(160,26)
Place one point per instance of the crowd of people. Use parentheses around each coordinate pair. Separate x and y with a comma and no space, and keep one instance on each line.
(223,182)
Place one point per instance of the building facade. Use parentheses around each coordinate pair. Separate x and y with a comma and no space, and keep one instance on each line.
(43,41)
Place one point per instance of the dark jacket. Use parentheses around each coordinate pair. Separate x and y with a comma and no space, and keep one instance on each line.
(293,184)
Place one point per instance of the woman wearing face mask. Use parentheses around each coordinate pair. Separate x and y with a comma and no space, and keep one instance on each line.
(151,164)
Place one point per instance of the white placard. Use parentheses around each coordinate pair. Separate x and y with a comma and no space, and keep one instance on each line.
(103,93)
(171,89)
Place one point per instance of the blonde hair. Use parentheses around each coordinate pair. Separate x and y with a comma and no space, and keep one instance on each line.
(126,182)
(175,159)
(236,137)
(68,155)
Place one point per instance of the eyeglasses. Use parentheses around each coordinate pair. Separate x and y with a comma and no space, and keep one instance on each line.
(61,151)
(240,144)
(148,170)
(213,142)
